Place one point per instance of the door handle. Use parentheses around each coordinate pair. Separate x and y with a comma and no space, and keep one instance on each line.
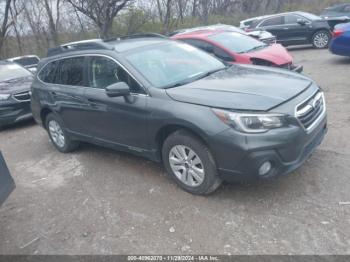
(286,28)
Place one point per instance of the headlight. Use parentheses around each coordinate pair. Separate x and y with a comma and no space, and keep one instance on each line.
(4,97)
(251,123)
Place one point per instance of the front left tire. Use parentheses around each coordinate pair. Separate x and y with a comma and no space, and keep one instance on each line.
(190,163)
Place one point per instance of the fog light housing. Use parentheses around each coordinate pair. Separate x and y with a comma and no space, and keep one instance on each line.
(265,168)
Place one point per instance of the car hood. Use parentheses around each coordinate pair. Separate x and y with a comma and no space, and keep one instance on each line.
(275,54)
(16,86)
(243,87)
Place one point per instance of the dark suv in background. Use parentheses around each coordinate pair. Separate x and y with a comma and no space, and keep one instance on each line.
(168,101)
(294,28)
(15,82)
(340,10)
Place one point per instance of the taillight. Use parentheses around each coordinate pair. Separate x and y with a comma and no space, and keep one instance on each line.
(337,32)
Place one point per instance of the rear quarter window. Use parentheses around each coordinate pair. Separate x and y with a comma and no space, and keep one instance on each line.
(49,73)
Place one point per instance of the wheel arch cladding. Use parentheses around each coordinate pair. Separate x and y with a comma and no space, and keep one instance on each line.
(167,130)
(43,114)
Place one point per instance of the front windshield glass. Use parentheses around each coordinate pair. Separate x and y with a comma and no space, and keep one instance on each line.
(12,71)
(173,63)
(236,42)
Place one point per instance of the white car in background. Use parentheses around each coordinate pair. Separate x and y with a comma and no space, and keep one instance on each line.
(30,62)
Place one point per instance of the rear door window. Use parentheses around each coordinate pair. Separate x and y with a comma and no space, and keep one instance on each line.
(72,71)
(274,21)
(291,19)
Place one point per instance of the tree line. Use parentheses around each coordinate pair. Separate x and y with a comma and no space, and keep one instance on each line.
(33,26)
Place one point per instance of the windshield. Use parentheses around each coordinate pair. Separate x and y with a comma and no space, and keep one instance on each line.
(237,42)
(27,61)
(173,63)
(12,71)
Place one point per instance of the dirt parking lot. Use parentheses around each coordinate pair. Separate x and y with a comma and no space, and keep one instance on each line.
(97,201)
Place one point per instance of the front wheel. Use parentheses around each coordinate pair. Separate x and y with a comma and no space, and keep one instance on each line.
(321,39)
(190,163)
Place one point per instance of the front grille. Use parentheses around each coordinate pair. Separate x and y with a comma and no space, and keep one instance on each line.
(310,111)
(22,97)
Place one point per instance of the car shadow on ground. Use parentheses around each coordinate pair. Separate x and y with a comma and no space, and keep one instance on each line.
(17,126)
(301,48)
(262,190)
(339,60)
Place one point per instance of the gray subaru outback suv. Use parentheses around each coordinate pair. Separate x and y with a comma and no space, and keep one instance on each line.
(172,103)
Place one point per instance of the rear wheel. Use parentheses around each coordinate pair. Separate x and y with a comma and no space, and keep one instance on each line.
(58,135)
(189,162)
(321,39)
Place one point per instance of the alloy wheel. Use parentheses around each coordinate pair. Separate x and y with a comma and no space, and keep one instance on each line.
(321,40)
(186,165)
(57,134)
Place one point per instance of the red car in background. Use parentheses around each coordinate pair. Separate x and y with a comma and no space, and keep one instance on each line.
(234,47)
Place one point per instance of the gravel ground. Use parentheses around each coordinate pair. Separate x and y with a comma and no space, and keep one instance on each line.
(97,201)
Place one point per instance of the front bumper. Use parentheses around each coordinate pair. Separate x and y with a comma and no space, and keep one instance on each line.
(286,150)
(13,112)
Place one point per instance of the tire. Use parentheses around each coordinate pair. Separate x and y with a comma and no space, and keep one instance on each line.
(199,175)
(321,39)
(58,135)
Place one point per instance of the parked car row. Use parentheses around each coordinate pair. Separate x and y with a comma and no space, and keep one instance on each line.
(212,104)
(293,28)
(261,35)
(207,120)
(15,82)
(235,47)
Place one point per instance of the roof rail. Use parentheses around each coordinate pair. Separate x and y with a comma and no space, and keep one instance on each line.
(77,46)
(135,36)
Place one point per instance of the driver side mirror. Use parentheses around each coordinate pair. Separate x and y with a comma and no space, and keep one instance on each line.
(118,89)
(301,21)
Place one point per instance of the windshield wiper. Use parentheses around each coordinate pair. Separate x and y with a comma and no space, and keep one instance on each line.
(255,48)
(195,77)
(212,72)
(177,84)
